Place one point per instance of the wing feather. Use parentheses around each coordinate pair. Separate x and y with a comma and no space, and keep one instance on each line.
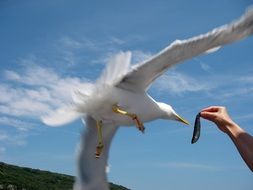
(142,75)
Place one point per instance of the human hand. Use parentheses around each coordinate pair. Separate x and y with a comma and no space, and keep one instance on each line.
(219,116)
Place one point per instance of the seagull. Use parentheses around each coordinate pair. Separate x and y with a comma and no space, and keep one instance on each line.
(119,97)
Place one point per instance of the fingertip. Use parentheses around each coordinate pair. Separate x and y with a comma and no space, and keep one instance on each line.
(202,113)
(211,109)
(206,115)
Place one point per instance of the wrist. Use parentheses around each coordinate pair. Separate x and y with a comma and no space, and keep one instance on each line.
(233,130)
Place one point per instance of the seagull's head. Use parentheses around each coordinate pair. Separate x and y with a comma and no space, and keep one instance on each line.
(169,113)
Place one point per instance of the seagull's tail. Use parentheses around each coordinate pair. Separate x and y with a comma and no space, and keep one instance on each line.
(61,116)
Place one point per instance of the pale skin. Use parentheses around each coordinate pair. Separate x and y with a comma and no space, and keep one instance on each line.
(242,140)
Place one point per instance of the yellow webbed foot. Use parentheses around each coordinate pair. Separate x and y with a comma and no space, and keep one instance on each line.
(100,146)
(134,117)
(139,124)
(99,150)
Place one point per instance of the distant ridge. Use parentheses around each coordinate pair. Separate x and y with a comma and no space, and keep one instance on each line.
(22,178)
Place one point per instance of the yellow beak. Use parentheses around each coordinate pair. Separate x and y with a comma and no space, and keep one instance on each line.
(182,120)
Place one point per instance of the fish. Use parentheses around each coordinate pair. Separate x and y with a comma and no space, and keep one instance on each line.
(196,131)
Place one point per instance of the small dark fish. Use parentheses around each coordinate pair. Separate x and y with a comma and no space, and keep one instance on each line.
(197,126)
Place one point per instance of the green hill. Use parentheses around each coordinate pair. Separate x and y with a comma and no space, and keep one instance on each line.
(22,178)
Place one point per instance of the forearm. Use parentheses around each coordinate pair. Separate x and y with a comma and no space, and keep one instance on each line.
(243,142)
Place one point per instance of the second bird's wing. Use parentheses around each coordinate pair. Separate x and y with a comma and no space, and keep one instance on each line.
(142,75)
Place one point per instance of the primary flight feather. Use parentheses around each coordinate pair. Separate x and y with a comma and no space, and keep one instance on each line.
(119,97)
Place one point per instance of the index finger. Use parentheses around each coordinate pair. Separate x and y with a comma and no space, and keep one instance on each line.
(211,109)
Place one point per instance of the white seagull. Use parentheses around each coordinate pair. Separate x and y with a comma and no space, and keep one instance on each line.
(120,97)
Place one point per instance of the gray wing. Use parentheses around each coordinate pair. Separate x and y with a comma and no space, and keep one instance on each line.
(91,171)
(142,75)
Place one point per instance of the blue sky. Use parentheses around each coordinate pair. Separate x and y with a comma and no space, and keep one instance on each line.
(49,47)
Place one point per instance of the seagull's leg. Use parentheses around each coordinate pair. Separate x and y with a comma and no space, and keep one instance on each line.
(117,109)
(100,145)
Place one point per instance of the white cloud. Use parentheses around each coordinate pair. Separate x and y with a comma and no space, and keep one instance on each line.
(27,95)
(24,106)
(234,92)
(73,51)
(33,75)
(2,151)
(3,136)
(88,44)
(229,87)
(11,75)
(247,79)
(202,64)
(35,91)
(177,83)
(197,166)
(18,139)
(214,85)
(70,51)
(18,124)
(68,42)
(140,56)
(115,40)
(244,117)
(192,166)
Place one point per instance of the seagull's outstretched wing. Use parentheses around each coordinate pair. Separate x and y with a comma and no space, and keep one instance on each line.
(92,171)
(142,75)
